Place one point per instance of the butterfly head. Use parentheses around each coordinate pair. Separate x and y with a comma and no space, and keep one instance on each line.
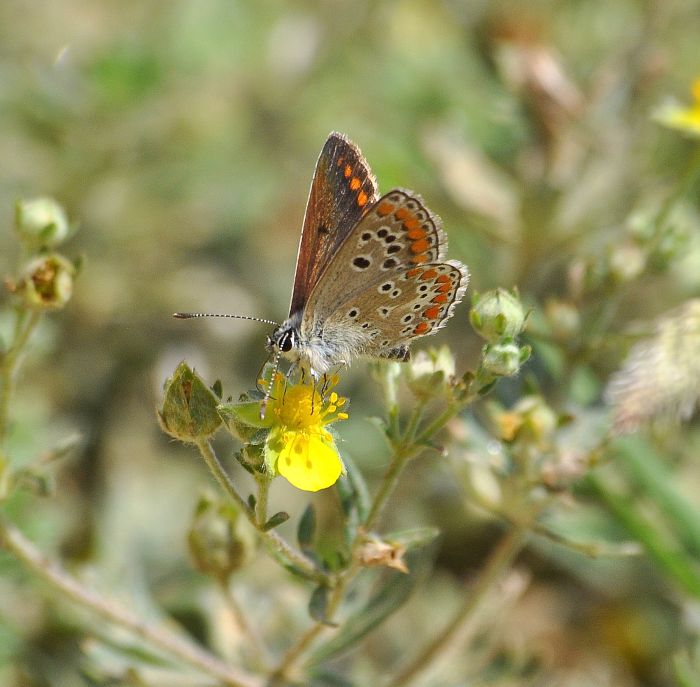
(284,339)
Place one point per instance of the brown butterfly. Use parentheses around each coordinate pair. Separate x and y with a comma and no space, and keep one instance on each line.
(371,274)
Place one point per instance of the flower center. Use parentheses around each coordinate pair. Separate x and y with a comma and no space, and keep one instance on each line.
(300,408)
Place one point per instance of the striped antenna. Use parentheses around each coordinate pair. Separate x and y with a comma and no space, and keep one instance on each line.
(268,391)
(191,315)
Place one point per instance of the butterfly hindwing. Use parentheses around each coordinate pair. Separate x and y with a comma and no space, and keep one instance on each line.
(410,303)
(342,190)
(388,282)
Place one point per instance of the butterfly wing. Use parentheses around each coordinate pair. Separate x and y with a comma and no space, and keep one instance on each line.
(342,190)
(388,282)
(419,301)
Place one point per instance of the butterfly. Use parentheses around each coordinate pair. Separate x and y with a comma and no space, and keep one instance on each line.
(371,272)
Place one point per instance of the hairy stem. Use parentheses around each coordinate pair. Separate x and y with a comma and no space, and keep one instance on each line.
(177,646)
(255,644)
(273,540)
(406,448)
(498,562)
(261,501)
(9,363)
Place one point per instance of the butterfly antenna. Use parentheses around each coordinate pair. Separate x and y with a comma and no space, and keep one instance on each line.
(268,391)
(191,315)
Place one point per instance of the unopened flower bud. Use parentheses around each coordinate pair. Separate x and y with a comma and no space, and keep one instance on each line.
(504,359)
(41,221)
(563,318)
(220,541)
(497,314)
(47,282)
(430,371)
(189,409)
(537,419)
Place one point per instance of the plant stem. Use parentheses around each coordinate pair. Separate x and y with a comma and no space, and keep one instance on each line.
(9,363)
(391,478)
(686,182)
(678,564)
(498,562)
(261,501)
(255,643)
(438,423)
(405,448)
(175,645)
(278,545)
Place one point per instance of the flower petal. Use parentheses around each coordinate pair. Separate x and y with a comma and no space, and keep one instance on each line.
(308,462)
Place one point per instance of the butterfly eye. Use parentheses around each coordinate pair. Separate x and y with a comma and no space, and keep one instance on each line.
(286,342)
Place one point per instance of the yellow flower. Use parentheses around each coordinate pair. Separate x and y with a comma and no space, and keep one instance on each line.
(686,119)
(299,446)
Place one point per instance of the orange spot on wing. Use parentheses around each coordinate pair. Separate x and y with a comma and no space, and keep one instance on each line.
(415,234)
(412,224)
(432,313)
(340,161)
(441,298)
(402,213)
(413,272)
(361,198)
(355,183)
(429,274)
(348,171)
(385,208)
(445,288)
(443,278)
(421,328)
(418,259)
(420,246)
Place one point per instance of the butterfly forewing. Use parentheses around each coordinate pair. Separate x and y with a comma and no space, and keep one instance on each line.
(342,190)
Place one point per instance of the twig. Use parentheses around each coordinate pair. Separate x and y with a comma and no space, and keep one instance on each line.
(276,543)
(404,450)
(180,648)
(8,364)
(498,562)
(255,643)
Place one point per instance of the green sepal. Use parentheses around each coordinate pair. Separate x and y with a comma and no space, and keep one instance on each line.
(273,447)
(189,410)
(245,413)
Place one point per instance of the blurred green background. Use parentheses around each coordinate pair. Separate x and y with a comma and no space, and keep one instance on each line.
(181,138)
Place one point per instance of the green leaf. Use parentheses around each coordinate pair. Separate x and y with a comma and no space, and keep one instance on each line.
(646,468)
(276,520)
(326,678)
(318,606)
(413,538)
(353,492)
(393,594)
(307,528)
